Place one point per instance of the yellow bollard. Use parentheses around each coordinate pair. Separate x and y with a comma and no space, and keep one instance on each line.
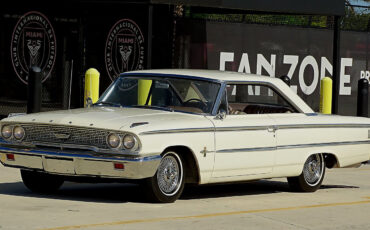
(91,86)
(143,92)
(326,90)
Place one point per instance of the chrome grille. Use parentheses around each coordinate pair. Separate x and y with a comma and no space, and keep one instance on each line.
(60,134)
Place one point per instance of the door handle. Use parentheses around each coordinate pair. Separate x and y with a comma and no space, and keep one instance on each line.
(271,129)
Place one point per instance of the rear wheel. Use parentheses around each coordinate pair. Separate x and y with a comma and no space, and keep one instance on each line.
(167,184)
(312,175)
(41,182)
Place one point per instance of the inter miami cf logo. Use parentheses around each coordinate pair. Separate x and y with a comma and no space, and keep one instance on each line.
(124,50)
(33,44)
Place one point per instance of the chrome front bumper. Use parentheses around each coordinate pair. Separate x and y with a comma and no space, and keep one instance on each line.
(79,163)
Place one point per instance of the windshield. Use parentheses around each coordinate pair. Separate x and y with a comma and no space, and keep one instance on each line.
(175,94)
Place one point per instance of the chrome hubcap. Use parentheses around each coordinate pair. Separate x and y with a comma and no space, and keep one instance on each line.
(313,169)
(169,175)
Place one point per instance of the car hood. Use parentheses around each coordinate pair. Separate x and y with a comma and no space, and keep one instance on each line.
(116,118)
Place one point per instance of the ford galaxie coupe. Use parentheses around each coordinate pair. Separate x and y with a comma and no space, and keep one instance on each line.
(167,128)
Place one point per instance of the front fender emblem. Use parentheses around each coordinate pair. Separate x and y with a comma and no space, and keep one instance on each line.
(62,136)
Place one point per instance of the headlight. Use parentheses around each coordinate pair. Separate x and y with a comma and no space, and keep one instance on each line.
(6,131)
(129,141)
(18,132)
(113,140)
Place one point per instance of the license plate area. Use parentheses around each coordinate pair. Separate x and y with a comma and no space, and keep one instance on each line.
(59,165)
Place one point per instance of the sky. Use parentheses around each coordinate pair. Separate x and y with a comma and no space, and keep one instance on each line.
(360,2)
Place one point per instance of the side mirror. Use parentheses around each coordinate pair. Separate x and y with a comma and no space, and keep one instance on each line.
(221,114)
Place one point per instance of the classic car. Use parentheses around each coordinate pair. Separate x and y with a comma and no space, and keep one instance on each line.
(168,128)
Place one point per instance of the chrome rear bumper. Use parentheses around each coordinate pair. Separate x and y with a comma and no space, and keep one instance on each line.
(74,163)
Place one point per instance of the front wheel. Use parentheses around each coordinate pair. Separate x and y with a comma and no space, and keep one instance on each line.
(312,175)
(41,182)
(167,184)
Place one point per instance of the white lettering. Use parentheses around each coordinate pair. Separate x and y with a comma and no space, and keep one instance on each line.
(365,74)
(245,67)
(345,78)
(308,90)
(293,61)
(325,66)
(362,74)
(244,64)
(225,57)
(268,66)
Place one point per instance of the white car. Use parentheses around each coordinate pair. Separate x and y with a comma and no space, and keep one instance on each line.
(167,128)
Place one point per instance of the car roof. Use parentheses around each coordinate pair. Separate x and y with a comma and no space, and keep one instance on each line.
(210,74)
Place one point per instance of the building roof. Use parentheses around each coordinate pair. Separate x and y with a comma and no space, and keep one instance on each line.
(315,7)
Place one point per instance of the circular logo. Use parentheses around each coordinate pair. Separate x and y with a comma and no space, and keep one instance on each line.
(33,44)
(124,49)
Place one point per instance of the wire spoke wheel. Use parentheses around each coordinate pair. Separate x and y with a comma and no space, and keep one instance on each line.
(168,183)
(169,175)
(313,169)
(312,175)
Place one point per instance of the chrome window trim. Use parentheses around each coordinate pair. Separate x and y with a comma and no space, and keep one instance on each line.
(218,99)
(272,86)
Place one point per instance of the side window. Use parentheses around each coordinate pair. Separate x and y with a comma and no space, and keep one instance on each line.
(255,99)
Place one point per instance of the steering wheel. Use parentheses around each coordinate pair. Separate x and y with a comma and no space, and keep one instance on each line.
(195,99)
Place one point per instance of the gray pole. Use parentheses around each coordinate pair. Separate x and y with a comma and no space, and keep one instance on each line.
(34,90)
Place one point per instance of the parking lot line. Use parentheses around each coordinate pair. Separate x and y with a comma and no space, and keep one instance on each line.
(209,215)
(367,169)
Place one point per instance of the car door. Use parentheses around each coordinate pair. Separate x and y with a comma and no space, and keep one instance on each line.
(245,143)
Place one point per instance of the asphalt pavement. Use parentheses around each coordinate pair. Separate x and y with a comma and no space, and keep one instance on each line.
(343,202)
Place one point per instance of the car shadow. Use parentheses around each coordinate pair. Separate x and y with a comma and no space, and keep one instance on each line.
(122,193)
(337,186)
(239,189)
(85,192)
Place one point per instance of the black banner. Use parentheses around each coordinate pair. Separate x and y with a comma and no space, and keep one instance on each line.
(304,54)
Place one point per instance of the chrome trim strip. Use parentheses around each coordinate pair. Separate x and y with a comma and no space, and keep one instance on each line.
(209,129)
(322,144)
(78,155)
(243,128)
(246,150)
(218,99)
(188,130)
(316,126)
(273,87)
(256,128)
(292,146)
(138,124)
(164,75)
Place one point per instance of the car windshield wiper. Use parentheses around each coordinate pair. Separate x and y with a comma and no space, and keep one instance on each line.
(108,103)
(153,107)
